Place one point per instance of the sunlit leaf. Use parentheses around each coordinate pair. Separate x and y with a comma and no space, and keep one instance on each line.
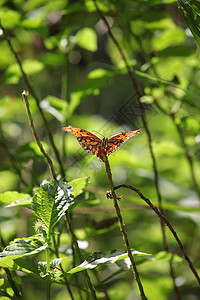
(75,100)
(87,39)
(9,18)
(23,247)
(78,185)
(50,202)
(13,198)
(101,258)
(13,72)
(36,24)
(45,105)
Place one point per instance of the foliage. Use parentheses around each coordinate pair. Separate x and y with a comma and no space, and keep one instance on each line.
(107,67)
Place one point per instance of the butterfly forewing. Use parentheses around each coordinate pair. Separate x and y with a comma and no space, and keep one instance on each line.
(116,141)
(87,140)
(94,145)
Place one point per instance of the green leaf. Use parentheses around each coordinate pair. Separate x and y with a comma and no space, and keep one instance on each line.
(78,185)
(37,25)
(13,198)
(46,106)
(9,18)
(23,247)
(101,258)
(50,202)
(42,266)
(87,39)
(19,264)
(168,37)
(166,82)
(30,150)
(191,13)
(166,256)
(13,72)
(57,107)
(96,79)
(75,100)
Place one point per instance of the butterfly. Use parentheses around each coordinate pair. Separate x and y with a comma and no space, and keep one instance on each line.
(92,144)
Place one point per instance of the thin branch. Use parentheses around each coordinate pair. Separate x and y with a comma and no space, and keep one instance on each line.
(138,95)
(33,93)
(47,157)
(166,222)
(64,277)
(74,239)
(187,155)
(122,228)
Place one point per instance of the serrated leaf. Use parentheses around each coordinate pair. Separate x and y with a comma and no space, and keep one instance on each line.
(101,258)
(42,266)
(14,198)
(50,202)
(23,247)
(23,202)
(78,185)
(56,262)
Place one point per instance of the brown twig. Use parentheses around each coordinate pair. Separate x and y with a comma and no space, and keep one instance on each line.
(33,93)
(138,96)
(166,222)
(187,155)
(61,268)
(47,157)
(122,228)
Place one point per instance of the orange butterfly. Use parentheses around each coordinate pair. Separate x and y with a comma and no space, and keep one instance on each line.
(92,144)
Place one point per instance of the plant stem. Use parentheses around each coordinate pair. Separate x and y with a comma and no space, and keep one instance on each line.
(48,290)
(49,161)
(143,114)
(64,277)
(122,228)
(33,93)
(48,258)
(74,239)
(165,220)
(187,155)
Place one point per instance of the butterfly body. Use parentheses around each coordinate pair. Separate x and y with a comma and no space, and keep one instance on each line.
(92,144)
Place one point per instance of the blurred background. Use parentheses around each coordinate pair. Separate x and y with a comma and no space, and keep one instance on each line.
(81,80)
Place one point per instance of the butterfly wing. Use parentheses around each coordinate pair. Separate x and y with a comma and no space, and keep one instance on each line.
(89,142)
(116,141)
